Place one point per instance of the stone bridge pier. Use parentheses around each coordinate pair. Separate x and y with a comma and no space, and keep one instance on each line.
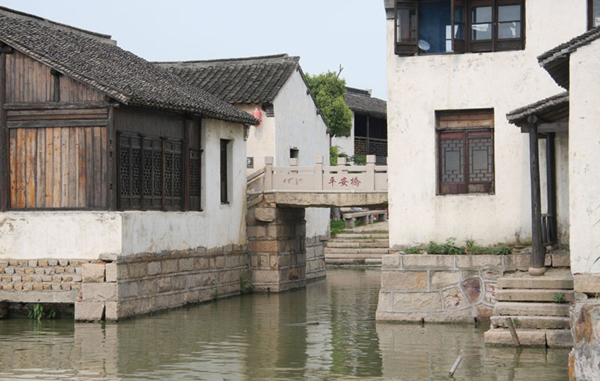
(277,247)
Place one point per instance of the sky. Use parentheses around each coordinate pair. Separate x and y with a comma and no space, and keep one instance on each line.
(324,33)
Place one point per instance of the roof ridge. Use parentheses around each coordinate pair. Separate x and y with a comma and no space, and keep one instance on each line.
(19,14)
(276,58)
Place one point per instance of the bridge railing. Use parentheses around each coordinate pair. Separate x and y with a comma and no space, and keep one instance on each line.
(320,178)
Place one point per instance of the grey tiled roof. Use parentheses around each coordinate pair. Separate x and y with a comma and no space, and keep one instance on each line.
(116,72)
(238,80)
(556,61)
(361,101)
(550,109)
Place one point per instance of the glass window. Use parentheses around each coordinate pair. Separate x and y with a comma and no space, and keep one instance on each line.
(405,25)
(466,151)
(434,19)
(593,13)
(509,24)
(481,24)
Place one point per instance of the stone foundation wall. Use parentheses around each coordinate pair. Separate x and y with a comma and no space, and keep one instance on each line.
(584,361)
(315,257)
(442,288)
(276,247)
(40,280)
(150,282)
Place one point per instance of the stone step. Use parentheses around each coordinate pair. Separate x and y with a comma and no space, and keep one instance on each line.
(352,256)
(531,309)
(354,240)
(357,244)
(362,235)
(380,251)
(553,338)
(541,282)
(529,295)
(558,259)
(533,322)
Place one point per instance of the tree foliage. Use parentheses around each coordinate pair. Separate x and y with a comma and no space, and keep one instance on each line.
(329,89)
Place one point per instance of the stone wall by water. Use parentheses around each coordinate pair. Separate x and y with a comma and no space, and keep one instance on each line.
(315,257)
(144,283)
(442,288)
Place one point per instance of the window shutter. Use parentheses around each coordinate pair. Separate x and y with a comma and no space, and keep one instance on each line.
(406,27)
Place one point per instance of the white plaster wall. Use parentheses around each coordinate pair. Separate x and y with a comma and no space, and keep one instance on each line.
(64,235)
(261,138)
(87,235)
(584,158)
(299,126)
(346,143)
(504,81)
(218,224)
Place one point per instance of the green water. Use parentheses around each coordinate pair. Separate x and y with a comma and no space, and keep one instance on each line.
(261,337)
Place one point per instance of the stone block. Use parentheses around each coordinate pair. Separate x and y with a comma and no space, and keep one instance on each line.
(7,287)
(513,262)
(265,276)
(271,246)
(154,268)
(93,273)
(490,293)
(472,288)
(60,270)
(478,261)
(491,274)
(265,214)
(137,270)
(55,286)
(456,316)
(29,287)
(70,270)
(587,283)
(559,338)
(52,262)
(9,270)
(129,289)
(220,262)
(256,231)
(169,266)
(47,278)
(404,280)
(484,313)
(417,301)
(3,263)
(13,262)
(430,262)
(390,261)
(64,286)
(201,263)
(32,263)
(186,264)
(111,272)
(100,292)
(19,271)
(89,311)
(442,279)
(454,299)
(178,282)
(561,260)
(18,286)
(39,271)
(23,262)
(164,284)
(25,279)
(67,278)
(43,263)
(111,311)
(17,278)
(148,287)
(48,286)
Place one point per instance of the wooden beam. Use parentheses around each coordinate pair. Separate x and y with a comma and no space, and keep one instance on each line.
(551,183)
(111,167)
(4,157)
(53,123)
(546,128)
(537,247)
(55,106)
(187,131)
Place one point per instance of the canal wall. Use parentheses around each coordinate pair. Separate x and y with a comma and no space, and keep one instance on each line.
(442,288)
(144,283)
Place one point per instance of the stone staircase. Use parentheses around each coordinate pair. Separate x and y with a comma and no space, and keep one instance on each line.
(357,247)
(538,306)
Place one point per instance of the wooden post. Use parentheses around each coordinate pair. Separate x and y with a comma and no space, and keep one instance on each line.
(318,172)
(370,180)
(513,331)
(268,173)
(551,184)
(111,168)
(537,247)
(4,172)
(187,136)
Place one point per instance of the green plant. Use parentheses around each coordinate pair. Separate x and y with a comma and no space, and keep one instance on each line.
(336,227)
(328,90)
(445,248)
(517,322)
(37,313)
(502,250)
(473,248)
(245,282)
(359,160)
(412,250)
(559,298)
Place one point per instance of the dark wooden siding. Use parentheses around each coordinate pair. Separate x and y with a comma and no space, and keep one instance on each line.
(150,123)
(75,91)
(58,167)
(27,80)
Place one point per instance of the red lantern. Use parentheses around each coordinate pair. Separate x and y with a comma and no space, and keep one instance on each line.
(258,115)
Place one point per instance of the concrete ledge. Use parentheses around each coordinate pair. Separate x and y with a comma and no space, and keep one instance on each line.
(587,283)
(39,296)
(316,199)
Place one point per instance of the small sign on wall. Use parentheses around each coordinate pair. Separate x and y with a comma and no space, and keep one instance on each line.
(249,162)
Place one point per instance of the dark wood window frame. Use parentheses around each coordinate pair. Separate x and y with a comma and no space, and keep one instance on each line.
(591,14)
(465,138)
(224,170)
(407,11)
(152,173)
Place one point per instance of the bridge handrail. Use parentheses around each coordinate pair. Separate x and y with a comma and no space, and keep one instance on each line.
(339,178)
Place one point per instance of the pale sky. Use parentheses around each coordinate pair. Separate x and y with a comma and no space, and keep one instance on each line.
(324,33)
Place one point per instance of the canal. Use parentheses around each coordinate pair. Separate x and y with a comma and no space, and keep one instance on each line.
(265,337)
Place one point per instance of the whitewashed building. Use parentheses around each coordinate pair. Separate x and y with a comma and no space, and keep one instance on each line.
(455,69)
(292,127)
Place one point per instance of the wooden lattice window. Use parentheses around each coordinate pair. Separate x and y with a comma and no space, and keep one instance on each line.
(150,173)
(466,151)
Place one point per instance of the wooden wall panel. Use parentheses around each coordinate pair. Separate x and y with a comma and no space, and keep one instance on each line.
(63,167)
(27,80)
(151,123)
(74,91)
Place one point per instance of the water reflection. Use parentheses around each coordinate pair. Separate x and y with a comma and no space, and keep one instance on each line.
(258,337)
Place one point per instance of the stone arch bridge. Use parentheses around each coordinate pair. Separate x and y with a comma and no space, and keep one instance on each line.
(276,227)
